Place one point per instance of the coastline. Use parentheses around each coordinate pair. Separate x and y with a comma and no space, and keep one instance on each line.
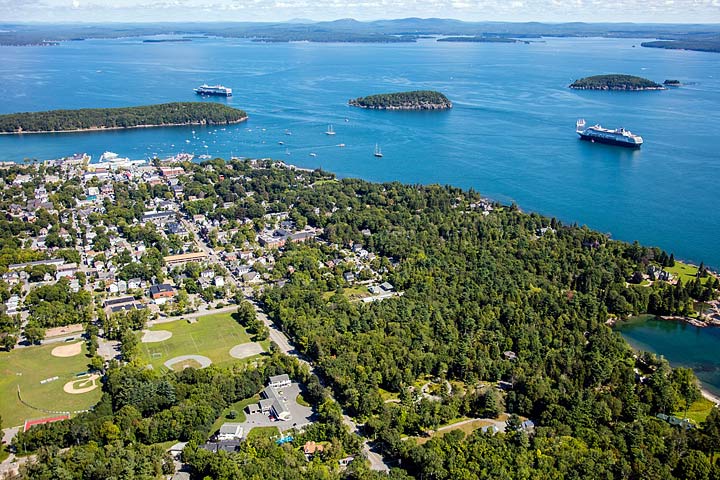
(709,396)
(617,89)
(433,106)
(104,129)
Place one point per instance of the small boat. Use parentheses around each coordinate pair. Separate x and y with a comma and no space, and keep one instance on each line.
(341,145)
(288,132)
(313,154)
(347,119)
(287,152)
(330,130)
(281,143)
(378,152)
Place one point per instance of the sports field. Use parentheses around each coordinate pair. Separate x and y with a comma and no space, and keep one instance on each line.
(27,368)
(211,336)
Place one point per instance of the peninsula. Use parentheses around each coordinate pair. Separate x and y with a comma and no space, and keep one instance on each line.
(415,100)
(615,82)
(87,119)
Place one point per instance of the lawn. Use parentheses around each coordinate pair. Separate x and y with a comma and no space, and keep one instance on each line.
(263,432)
(697,412)
(211,336)
(684,272)
(26,367)
(239,407)
(466,428)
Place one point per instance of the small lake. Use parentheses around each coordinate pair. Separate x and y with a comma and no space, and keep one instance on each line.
(680,343)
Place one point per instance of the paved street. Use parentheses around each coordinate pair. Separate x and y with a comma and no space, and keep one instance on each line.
(276,335)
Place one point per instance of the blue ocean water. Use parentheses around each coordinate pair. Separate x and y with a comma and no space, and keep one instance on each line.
(510,136)
(681,344)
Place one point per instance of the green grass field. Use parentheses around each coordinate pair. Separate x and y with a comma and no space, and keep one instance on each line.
(26,367)
(211,336)
(684,272)
(239,407)
(697,412)
(263,432)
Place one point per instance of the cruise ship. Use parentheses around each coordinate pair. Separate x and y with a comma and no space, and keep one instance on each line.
(619,136)
(214,90)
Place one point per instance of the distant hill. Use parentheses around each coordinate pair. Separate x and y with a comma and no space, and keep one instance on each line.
(615,82)
(351,30)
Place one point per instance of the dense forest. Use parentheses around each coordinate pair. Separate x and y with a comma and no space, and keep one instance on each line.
(179,113)
(477,286)
(415,100)
(615,82)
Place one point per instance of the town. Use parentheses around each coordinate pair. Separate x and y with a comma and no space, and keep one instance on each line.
(135,261)
(195,313)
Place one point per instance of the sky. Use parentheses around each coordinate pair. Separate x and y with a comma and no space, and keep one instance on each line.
(650,11)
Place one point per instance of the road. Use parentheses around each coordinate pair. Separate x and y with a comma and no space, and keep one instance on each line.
(276,335)
(281,340)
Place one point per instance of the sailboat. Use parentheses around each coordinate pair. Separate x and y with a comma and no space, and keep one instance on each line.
(378,152)
(330,130)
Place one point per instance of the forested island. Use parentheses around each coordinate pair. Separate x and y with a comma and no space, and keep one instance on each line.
(615,82)
(161,115)
(699,45)
(482,39)
(495,316)
(414,100)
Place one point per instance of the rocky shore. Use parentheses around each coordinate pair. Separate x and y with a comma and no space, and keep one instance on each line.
(406,106)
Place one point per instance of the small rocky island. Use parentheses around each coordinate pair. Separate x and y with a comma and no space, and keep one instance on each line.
(88,119)
(615,82)
(415,100)
(672,83)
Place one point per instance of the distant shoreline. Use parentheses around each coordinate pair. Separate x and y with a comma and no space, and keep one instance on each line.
(103,129)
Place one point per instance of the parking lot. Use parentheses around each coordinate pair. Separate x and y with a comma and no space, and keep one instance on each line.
(299,415)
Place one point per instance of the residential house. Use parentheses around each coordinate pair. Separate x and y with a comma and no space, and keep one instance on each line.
(160,293)
(279,381)
(230,431)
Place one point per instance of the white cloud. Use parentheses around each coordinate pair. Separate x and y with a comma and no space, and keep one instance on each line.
(276,10)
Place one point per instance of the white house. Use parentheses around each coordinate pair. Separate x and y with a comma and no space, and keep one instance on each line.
(230,431)
(279,381)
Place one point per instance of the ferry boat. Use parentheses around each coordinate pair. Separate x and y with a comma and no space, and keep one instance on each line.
(619,136)
(214,90)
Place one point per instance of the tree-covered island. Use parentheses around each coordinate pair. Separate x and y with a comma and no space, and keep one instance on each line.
(161,115)
(415,100)
(615,82)
(481,39)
